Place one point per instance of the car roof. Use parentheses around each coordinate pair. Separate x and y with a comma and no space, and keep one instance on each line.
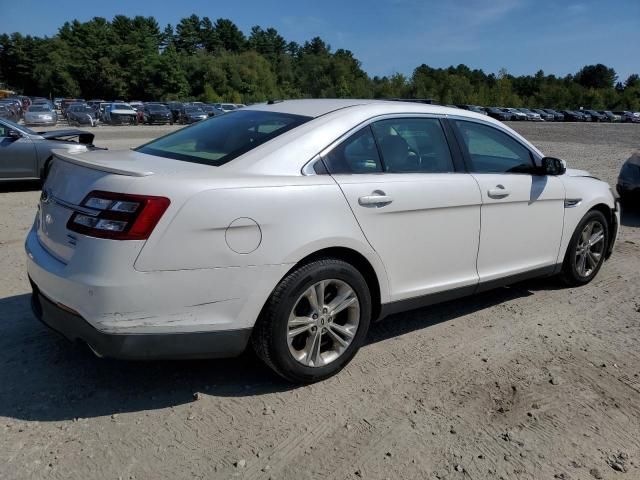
(318,107)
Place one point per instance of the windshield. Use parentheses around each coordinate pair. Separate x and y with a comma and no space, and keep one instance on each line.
(39,108)
(222,138)
(228,106)
(193,110)
(121,106)
(158,108)
(85,109)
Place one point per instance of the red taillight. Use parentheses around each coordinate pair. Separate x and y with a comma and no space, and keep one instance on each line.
(118,216)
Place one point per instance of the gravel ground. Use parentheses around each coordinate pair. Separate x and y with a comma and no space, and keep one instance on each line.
(534,381)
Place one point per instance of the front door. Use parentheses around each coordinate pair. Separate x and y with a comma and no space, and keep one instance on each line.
(522,213)
(420,216)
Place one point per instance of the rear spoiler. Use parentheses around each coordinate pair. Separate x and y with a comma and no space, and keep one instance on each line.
(85,159)
(85,138)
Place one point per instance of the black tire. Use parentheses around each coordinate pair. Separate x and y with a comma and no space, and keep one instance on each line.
(570,274)
(269,338)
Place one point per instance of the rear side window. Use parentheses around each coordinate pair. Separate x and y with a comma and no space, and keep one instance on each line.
(222,138)
(492,151)
(357,154)
(413,145)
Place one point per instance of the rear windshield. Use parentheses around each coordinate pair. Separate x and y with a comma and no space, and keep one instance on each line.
(224,137)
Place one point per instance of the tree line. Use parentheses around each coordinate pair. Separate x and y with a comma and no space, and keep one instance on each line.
(201,59)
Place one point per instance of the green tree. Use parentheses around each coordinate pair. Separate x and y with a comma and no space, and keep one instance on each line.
(596,76)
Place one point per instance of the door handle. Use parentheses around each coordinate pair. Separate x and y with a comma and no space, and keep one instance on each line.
(498,192)
(377,199)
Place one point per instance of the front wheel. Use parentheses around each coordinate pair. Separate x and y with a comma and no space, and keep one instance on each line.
(315,321)
(586,250)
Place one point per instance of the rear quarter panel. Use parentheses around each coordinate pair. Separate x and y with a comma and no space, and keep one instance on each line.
(296,217)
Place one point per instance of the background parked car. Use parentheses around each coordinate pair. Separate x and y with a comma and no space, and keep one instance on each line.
(531,116)
(40,114)
(41,101)
(175,108)
(596,116)
(498,114)
(191,114)
(628,185)
(82,114)
(611,117)
(64,104)
(5,112)
(557,116)
(211,110)
(95,103)
(628,117)
(473,108)
(226,107)
(572,116)
(156,113)
(517,114)
(25,153)
(547,117)
(10,111)
(15,105)
(120,114)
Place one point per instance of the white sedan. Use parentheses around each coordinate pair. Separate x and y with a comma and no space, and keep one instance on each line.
(292,225)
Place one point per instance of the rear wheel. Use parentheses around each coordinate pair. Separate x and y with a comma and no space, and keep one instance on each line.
(586,250)
(314,322)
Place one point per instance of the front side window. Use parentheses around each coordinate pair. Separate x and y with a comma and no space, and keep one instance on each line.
(224,137)
(357,154)
(492,151)
(413,145)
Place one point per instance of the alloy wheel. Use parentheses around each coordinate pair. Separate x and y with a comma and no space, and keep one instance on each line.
(323,323)
(590,248)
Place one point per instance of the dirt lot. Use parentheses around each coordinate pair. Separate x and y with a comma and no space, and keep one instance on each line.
(534,381)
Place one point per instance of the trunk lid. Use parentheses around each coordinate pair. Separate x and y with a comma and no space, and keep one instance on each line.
(73,176)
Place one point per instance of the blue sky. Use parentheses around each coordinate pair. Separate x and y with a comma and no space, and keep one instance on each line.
(391,36)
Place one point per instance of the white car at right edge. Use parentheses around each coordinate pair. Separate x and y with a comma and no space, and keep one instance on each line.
(292,225)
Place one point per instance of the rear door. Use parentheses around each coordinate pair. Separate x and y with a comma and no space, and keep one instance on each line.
(522,212)
(415,208)
(18,157)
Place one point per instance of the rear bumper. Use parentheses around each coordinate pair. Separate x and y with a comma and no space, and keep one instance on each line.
(218,344)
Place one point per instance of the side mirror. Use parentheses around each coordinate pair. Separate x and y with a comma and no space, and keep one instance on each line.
(14,134)
(553,166)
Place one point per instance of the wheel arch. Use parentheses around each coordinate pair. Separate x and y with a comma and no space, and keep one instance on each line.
(360,262)
(612,222)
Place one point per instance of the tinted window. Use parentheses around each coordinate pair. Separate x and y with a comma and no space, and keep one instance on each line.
(492,151)
(357,154)
(413,145)
(223,138)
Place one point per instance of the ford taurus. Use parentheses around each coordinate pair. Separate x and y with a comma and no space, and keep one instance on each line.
(292,225)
